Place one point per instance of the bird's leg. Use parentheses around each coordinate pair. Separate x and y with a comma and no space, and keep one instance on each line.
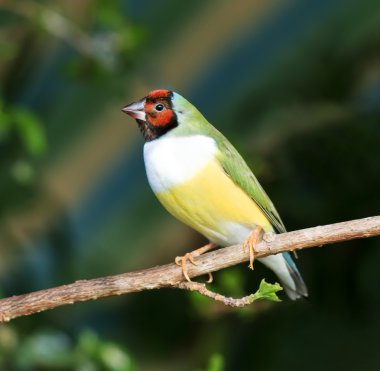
(250,243)
(182,260)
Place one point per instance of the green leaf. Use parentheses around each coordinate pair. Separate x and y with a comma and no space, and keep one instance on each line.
(267,291)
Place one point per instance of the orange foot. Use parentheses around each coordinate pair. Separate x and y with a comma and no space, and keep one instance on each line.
(250,243)
(182,260)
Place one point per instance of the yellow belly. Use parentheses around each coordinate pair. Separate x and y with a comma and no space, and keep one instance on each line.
(210,201)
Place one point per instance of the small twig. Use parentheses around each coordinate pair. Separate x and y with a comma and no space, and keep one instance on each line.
(170,275)
(201,288)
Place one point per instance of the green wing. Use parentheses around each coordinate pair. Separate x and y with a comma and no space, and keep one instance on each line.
(237,169)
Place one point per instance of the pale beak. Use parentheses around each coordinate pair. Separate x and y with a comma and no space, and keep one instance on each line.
(136,110)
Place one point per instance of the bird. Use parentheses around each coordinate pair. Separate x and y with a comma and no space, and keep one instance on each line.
(203,181)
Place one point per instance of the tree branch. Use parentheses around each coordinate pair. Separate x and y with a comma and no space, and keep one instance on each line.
(170,275)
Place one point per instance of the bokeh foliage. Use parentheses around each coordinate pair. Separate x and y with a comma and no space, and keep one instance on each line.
(75,202)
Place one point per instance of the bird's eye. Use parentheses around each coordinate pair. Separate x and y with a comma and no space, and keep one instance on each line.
(159,107)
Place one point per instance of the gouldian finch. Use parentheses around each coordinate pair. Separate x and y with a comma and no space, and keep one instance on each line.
(201,179)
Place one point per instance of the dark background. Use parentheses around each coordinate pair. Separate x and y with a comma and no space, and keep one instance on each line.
(295,85)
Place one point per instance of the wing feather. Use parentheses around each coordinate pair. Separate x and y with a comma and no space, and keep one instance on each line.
(237,169)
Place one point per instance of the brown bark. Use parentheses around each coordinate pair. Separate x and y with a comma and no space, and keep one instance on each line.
(170,275)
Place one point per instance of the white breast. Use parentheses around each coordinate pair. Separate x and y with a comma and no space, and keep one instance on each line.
(173,160)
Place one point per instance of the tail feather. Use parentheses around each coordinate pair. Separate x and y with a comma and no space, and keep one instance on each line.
(300,289)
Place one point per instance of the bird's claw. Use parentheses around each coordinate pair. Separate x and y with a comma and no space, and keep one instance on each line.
(250,247)
(181,261)
(250,244)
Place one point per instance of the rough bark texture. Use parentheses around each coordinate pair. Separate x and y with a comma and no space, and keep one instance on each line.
(170,275)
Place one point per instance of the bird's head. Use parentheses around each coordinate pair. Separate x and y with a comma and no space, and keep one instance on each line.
(154,113)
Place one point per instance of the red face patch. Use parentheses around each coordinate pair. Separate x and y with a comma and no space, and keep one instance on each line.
(158,108)
(163,118)
(159,94)
(159,113)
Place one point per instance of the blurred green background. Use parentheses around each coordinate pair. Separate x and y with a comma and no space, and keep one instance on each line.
(294,84)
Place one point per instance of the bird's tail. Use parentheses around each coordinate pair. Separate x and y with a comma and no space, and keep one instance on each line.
(288,274)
